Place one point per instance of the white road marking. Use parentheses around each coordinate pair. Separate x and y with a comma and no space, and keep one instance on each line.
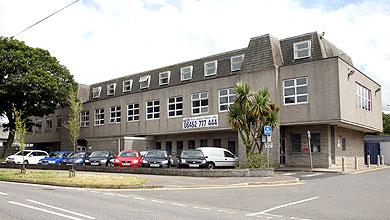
(61,209)
(94,192)
(314,174)
(44,210)
(109,194)
(196,207)
(204,208)
(124,196)
(299,218)
(139,198)
(177,204)
(281,206)
(224,211)
(288,174)
(3,194)
(157,201)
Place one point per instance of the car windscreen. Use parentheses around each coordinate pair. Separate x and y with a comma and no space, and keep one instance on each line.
(77,155)
(23,153)
(157,154)
(99,154)
(128,154)
(192,153)
(55,155)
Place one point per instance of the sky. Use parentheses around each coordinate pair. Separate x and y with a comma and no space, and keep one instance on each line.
(98,40)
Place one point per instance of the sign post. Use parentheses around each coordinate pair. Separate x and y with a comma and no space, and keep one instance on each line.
(311,159)
(267,133)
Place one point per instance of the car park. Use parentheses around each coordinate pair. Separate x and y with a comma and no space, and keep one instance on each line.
(27,157)
(56,157)
(128,158)
(219,157)
(78,158)
(100,158)
(156,158)
(192,159)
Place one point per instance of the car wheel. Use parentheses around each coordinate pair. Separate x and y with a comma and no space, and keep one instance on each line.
(25,162)
(210,165)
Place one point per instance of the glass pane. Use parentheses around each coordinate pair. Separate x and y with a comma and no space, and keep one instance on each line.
(195,103)
(301,81)
(195,111)
(171,107)
(223,107)
(149,110)
(149,116)
(156,109)
(156,102)
(223,92)
(136,105)
(205,109)
(223,100)
(179,106)
(150,104)
(156,115)
(136,118)
(136,111)
(302,45)
(131,112)
(303,53)
(171,114)
(203,95)
(195,96)
(179,99)
(302,98)
(288,83)
(180,112)
(290,91)
(232,98)
(302,90)
(171,100)
(204,102)
(289,100)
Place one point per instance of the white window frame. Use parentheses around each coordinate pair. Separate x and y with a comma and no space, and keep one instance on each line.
(174,103)
(96,92)
(363,97)
(182,73)
(200,103)
(230,93)
(296,50)
(161,77)
(144,79)
(232,62)
(117,117)
(133,109)
(111,89)
(98,121)
(84,115)
(124,89)
(153,106)
(295,86)
(206,74)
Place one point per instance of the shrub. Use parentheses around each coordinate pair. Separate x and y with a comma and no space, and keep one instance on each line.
(256,160)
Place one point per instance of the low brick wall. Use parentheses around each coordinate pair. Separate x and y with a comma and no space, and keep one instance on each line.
(265,172)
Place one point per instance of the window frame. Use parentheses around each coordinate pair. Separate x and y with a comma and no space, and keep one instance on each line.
(228,96)
(124,86)
(144,79)
(110,87)
(84,123)
(296,50)
(312,141)
(200,103)
(96,92)
(168,77)
(295,86)
(293,150)
(175,110)
(133,109)
(215,62)
(363,98)
(153,113)
(47,120)
(59,119)
(100,120)
(181,72)
(231,62)
(115,119)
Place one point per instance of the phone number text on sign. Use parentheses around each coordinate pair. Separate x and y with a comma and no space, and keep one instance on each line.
(200,122)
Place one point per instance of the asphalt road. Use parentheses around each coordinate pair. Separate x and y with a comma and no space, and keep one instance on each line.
(358,196)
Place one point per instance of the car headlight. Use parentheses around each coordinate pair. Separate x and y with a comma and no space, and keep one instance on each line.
(135,161)
(183,161)
(204,161)
(78,160)
(145,161)
(116,161)
(87,161)
(103,161)
(164,162)
(52,161)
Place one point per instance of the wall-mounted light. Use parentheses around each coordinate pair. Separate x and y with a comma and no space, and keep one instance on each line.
(377,90)
(351,72)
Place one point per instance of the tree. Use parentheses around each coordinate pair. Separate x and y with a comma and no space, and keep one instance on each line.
(386,123)
(20,132)
(31,80)
(73,123)
(250,112)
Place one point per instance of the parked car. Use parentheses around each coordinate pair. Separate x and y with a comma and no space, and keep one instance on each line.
(128,158)
(219,157)
(156,158)
(78,158)
(30,157)
(56,157)
(175,160)
(192,158)
(100,158)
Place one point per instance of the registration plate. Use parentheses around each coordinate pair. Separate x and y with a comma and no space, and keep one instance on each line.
(95,164)
(126,164)
(194,165)
(154,165)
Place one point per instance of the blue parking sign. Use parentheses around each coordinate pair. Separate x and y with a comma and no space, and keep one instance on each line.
(267,130)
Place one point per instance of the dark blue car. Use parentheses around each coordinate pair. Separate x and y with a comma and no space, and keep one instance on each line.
(78,158)
(56,157)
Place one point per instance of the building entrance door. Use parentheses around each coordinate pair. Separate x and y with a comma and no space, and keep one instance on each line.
(283,151)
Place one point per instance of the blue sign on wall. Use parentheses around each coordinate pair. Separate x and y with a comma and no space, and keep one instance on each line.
(267,130)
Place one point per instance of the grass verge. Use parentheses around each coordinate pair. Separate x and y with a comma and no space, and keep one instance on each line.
(82,180)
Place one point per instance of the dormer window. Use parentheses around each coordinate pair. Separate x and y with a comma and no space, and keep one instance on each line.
(302,49)
(144,82)
(186,73)
(127,85)
(111,89)
(96,92)
(210,68)
(235,62)
(164,78)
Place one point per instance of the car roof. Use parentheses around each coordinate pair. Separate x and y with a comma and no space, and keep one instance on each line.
(130,151)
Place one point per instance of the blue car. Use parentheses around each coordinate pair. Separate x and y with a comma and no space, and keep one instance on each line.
(56,157)
(78,158)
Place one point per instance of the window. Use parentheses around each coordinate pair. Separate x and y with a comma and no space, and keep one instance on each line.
(96,92)
(302,49)
(235,62)
(200,103)
(228,154)
(226,98)
(158,145)
(152,110)
(99,116)
(84,119)
(203,143)
(186,73)
(127,85)
(217,143)
(133,112)
(296,142)
(343,144)
(39,125)
(144,82)
(232,146)
(49,124)
(315,142)
(295,91)
(164,78)
(58,121)
(363,96)
(168,147)
(111,89)
(191,144)
(175,106)
(179,147)
(115,114)
(210,68)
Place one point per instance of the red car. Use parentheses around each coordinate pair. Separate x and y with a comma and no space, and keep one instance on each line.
(128,158)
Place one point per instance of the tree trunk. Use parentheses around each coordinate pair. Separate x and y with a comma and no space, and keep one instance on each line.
(8,144)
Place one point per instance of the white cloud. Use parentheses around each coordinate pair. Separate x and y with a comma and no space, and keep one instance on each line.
(100,40)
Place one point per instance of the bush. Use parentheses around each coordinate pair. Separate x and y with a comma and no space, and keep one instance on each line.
(256,160)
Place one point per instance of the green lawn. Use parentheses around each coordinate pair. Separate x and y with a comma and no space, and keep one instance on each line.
(61,178)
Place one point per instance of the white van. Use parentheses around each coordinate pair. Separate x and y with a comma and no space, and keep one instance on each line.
(219,157)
